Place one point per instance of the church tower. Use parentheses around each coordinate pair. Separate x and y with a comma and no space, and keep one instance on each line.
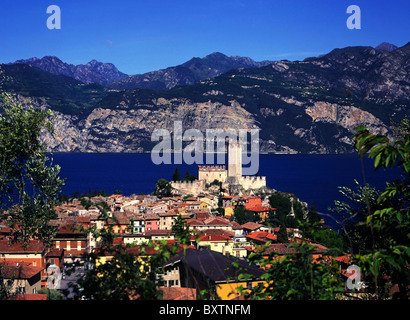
(235,159)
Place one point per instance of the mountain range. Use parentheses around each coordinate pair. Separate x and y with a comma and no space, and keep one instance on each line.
(309,106)
(107,74)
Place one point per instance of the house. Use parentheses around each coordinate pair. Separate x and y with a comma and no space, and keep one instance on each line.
(25,258)
(249,202)
(158,207)
(151,235)
(73,240)
(33,253)
(4,231)
(119,222)
(55,257)
(261,211)
(229,211)
(283,249)
(216,222)
(152,221)
(261,237)
(216,242)
(210,272)
(249,227)
(195,224)
(137,222)
(166,220)
(228,201)
(195,205)
(26,277)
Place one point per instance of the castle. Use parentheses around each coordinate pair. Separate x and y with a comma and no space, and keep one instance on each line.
(231,177)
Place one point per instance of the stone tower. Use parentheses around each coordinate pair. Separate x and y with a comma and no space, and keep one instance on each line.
(235,159)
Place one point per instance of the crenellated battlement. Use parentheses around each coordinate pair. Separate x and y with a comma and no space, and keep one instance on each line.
(252,182)
(212,168)
(252,178)
(188,183)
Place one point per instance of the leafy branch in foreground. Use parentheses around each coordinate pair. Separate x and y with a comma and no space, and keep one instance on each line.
(29,181)
(390,259)
(302,275)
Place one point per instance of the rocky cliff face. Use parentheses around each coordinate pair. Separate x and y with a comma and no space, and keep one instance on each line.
(107,130)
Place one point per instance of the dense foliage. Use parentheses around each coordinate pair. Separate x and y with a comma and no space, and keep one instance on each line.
(29,181)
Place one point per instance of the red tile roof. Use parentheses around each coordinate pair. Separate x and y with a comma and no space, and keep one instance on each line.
(220,232)
(262,236)
(344,259)
(251,225)
(28,296)
(214,237)
(260,209)
(194,222)
(176,293)
(19,270)
(216,221)
(34,246)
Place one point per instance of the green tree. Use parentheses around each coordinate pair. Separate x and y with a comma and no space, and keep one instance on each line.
(282,233)
(295,276)
(29,181)
(389,259)
(352,213)
(187,175)
(52,294)
(132,272)
(163,188)
(176,176)
(283,206)
(242,216)
(181,231)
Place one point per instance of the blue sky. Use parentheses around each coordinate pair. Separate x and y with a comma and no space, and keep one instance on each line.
(141,36)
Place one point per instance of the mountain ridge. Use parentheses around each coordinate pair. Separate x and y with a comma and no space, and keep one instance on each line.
(92,72)
(189,72)
(309,106)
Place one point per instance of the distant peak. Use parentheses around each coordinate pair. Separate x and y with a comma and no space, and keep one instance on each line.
(216,54)
(386,46)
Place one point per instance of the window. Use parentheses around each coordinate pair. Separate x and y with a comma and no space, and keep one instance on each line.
(249,285)
(58,244)
(51,261)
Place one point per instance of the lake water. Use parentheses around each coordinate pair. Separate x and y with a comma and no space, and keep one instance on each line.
(313,178)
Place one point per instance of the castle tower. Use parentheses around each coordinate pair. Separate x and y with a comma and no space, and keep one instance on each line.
(235,159)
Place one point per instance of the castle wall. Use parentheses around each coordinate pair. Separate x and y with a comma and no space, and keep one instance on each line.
(188,187)
(251,182)
(210,173)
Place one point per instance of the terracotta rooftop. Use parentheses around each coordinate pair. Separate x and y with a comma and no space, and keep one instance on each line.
(35,246)
(251,225)
(176,293)
(19,270)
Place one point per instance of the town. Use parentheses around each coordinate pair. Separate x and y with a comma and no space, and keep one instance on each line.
(216,241)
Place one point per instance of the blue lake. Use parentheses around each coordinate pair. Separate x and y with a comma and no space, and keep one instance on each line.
(313,178)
